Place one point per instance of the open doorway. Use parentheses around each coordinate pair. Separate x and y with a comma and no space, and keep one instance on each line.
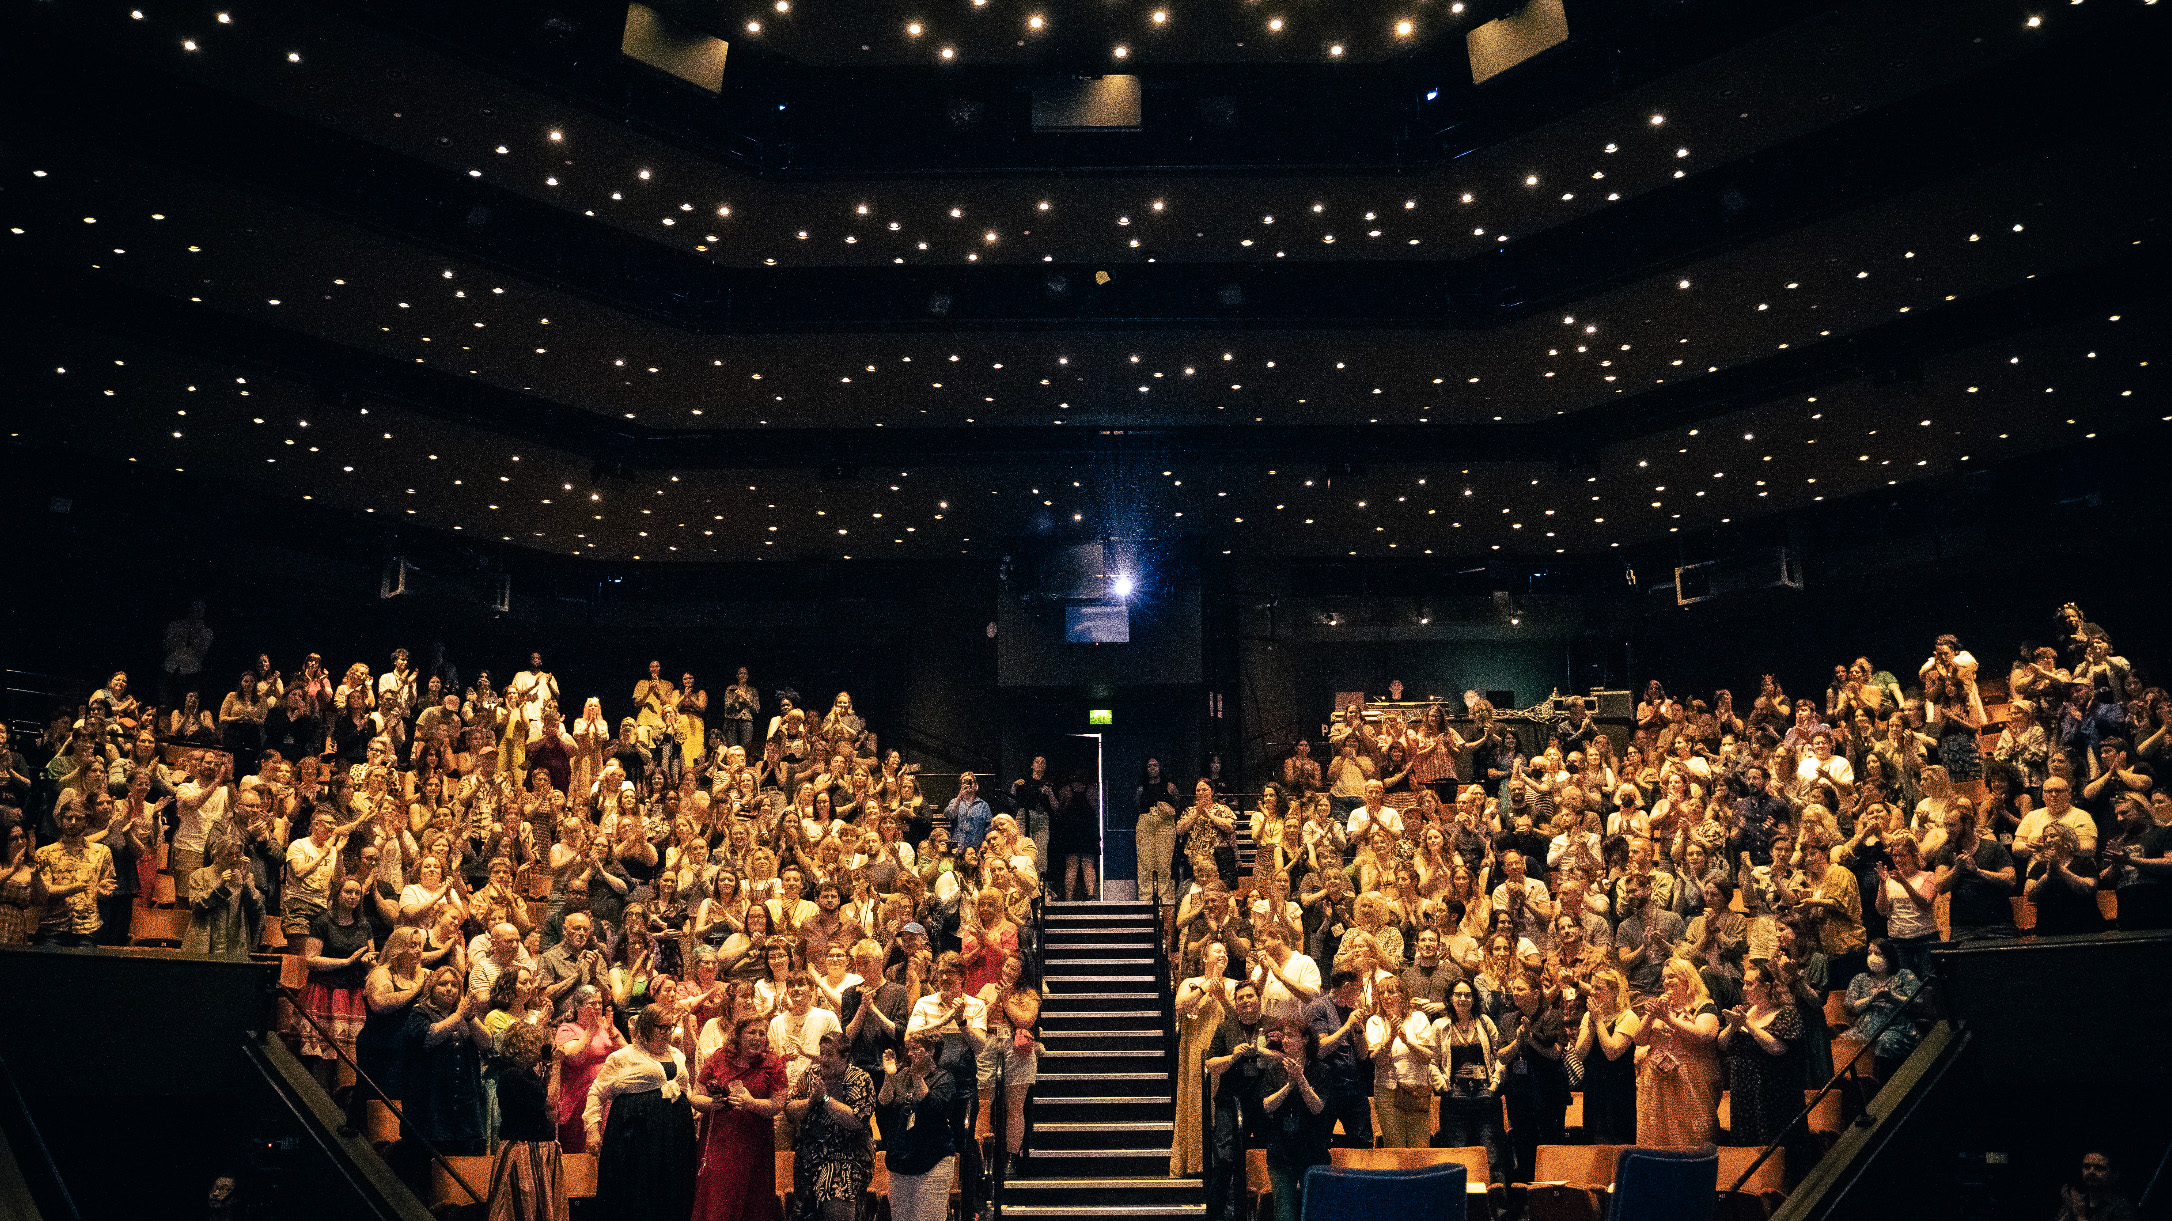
(1079,828)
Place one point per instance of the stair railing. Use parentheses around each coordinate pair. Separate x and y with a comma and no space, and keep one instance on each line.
(363,1081)
(1844,1071)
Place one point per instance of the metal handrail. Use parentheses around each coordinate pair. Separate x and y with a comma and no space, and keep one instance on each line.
(36,1139)
(1845,1070)
(294,998)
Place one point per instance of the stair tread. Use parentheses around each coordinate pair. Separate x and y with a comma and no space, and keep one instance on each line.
(1106,1211)
(1114,1125)
(1051,1154)
(1100,1076)
(1133,1184)
(1101,1100)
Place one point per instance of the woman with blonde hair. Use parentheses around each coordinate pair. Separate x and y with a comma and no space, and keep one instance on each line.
(1608,1051)
(1678,1068)
(1202,1003)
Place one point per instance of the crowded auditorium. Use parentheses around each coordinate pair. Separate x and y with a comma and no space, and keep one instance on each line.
(1547,611)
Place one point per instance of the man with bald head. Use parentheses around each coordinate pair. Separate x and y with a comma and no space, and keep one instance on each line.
(493,953)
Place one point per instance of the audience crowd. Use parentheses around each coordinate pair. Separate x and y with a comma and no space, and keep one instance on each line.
(682,940)
(698,934)
(1448,933)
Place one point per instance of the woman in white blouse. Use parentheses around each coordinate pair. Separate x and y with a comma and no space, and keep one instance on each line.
(1399,1039)
(640,1118)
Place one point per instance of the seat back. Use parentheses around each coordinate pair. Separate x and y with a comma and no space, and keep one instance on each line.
(1577,1165)
(1666,1184)
(1770,1176)
(1431,1193)
(1388,1159)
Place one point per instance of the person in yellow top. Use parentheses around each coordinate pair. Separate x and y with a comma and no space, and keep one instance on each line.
(1837,896)
(693,704)
(76,873)
(650,696)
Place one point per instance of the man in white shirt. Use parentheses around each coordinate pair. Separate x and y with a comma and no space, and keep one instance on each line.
(2058,807)
(535,684)
(1374,813)
(198,803)
(1286,978)
(398,682)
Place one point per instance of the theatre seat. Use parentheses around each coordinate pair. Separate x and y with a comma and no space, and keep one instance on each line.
(579,1175)
(445,1192)
(157,925)
(1770,1179)
(1431,1193)
(1569,1182)
(1836,1010)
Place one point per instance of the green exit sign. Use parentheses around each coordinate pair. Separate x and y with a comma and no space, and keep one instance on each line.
(1100,716)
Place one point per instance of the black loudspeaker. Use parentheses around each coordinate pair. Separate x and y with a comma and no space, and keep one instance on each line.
(1611,705)
(1502,701)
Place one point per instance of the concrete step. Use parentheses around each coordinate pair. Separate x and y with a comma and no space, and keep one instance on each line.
(1084,1019)
(1105,1192)
(1057,998)
(1055,1135)
(1124,1211)
(1096,1163)
(1143,1107)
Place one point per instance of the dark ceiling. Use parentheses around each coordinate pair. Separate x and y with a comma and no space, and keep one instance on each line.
(523,288)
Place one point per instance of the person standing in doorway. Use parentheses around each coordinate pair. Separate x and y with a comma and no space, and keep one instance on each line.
(1156,836)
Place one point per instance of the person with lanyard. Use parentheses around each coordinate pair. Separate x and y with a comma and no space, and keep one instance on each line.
(1295,1118)
(1236,1062)
(969,815)
(1338,1016)
(744,1089)
(834,1154)
(76,874)
(961,1019)
(919,1145)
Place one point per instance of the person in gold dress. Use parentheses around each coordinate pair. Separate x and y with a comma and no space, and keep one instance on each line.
(1678,1068)
(1201,1004)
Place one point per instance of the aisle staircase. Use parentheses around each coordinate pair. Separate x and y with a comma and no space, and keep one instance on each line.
(1104,1110)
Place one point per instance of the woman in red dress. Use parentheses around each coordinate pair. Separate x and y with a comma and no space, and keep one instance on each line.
(745,1088)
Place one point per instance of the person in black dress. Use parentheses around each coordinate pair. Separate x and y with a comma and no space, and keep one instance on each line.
(640,1119)
(1608,1051)
(442,1082)
(1074,841)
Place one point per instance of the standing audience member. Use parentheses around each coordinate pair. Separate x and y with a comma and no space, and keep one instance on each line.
(833,1157)
(527,1181)
(918,1147)
(743,1090)
(1678,1070)
(640,1120)
(1295,1119)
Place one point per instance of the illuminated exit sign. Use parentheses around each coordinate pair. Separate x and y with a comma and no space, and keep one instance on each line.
(1100,716)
